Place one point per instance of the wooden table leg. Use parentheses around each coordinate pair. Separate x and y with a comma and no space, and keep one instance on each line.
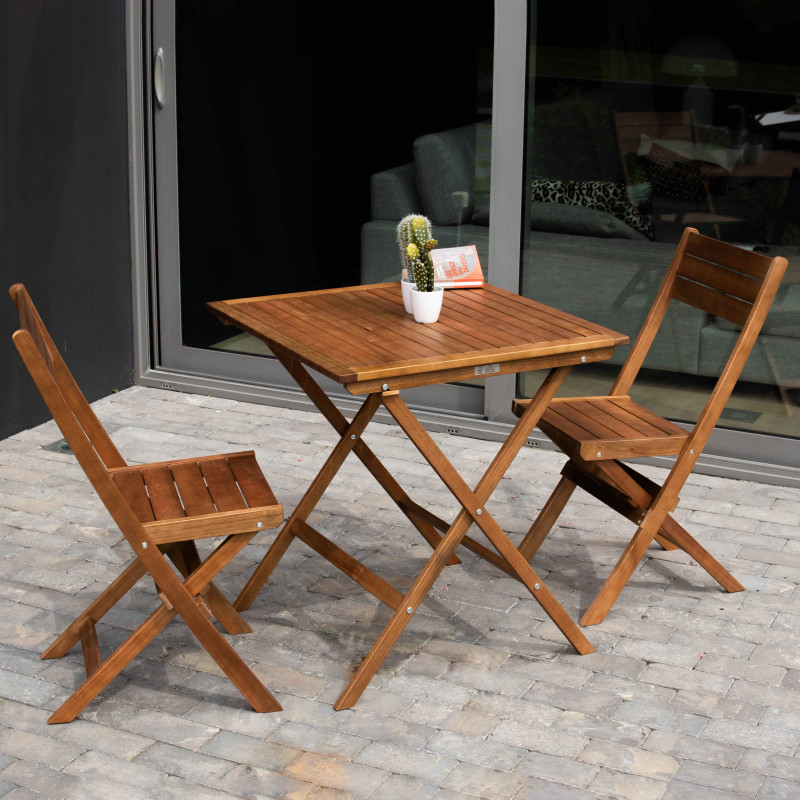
(339,423)
(472,511)
(350,437)
(473,502)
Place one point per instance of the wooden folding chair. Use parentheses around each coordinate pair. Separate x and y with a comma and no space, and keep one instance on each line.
(161,509)
(596,433)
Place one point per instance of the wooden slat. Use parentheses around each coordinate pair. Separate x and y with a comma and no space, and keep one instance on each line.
(163,495)
(710,301)
(613,427)
(428,340)
(594,422)
(90,647)
(354,569)
(193,489)
(133,490)
(218,523)
(720,278)
(252,482)
(222,485)
(753,264)
(617,420)
(659,425)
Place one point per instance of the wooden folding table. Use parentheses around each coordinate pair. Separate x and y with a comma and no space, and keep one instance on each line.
(362,338)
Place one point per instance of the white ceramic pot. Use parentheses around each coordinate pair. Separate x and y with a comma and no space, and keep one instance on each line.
(406,285)
(426,305)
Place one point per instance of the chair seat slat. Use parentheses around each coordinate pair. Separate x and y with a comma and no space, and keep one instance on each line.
(163,494)
(597,424)
(193,489)
(657,425)
(222,485)
(251,481)
(133,490)
(616,420)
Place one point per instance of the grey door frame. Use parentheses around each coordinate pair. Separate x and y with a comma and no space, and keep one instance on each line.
(162,361)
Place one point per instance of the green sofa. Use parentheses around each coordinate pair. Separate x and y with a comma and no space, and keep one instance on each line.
(583,261)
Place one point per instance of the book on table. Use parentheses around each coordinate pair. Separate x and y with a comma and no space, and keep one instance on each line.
(457,267)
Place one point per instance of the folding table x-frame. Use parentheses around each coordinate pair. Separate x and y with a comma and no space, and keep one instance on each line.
(361,338)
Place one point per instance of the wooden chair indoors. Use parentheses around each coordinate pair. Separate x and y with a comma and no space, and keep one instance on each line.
(161,509)
(671,126)
(597,433)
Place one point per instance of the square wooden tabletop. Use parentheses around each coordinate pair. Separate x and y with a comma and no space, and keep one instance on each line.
(362,337)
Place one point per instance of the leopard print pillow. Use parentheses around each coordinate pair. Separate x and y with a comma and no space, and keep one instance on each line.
(600,195)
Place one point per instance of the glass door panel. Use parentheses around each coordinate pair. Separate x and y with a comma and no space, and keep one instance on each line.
(301,134)
(638,125)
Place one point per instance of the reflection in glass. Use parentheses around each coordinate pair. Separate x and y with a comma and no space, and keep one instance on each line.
(306,132)
(638,126)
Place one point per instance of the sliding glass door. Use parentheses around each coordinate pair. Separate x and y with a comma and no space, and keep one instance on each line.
(640,123)
(289,140)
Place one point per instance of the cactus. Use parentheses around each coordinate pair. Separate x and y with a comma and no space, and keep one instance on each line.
(416,243)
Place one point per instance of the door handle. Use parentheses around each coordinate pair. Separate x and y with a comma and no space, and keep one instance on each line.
(158,77)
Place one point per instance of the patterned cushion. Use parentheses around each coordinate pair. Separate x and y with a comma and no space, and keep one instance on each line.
(600,195)
(678,177)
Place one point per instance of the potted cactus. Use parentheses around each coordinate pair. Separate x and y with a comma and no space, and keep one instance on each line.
(420,292)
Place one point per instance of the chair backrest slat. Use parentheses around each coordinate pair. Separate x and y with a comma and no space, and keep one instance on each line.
(63,382)
(720,278)
(710,300)
(749,262)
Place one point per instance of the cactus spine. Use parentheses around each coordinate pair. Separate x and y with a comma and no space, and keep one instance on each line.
(416,243)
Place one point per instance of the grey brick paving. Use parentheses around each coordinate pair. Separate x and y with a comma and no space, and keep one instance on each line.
(692,693)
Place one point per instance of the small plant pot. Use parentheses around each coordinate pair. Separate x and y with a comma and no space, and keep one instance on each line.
(426,305)
(406,284)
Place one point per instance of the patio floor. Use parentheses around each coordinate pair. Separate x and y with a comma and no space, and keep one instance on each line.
(692,693)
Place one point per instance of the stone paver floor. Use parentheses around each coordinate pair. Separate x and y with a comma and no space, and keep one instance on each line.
(692,693)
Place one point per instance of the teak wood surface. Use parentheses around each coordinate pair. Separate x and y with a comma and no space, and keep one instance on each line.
(161,509)
(362,338)
(596,432)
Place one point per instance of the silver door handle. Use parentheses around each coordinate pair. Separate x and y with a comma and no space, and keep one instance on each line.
(158,77)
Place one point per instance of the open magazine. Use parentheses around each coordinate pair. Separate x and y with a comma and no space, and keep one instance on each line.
(457,267)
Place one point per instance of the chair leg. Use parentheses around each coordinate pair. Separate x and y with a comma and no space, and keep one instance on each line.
(693,548)
(181,596)
(112,666)
(186,558)
(96,610)
(547,518)
(619,576)
(177,598)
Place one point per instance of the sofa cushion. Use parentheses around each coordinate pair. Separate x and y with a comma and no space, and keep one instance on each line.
(444,165)
(611,198)
(560,218)
(676,176)
(725,157)
(393,193)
